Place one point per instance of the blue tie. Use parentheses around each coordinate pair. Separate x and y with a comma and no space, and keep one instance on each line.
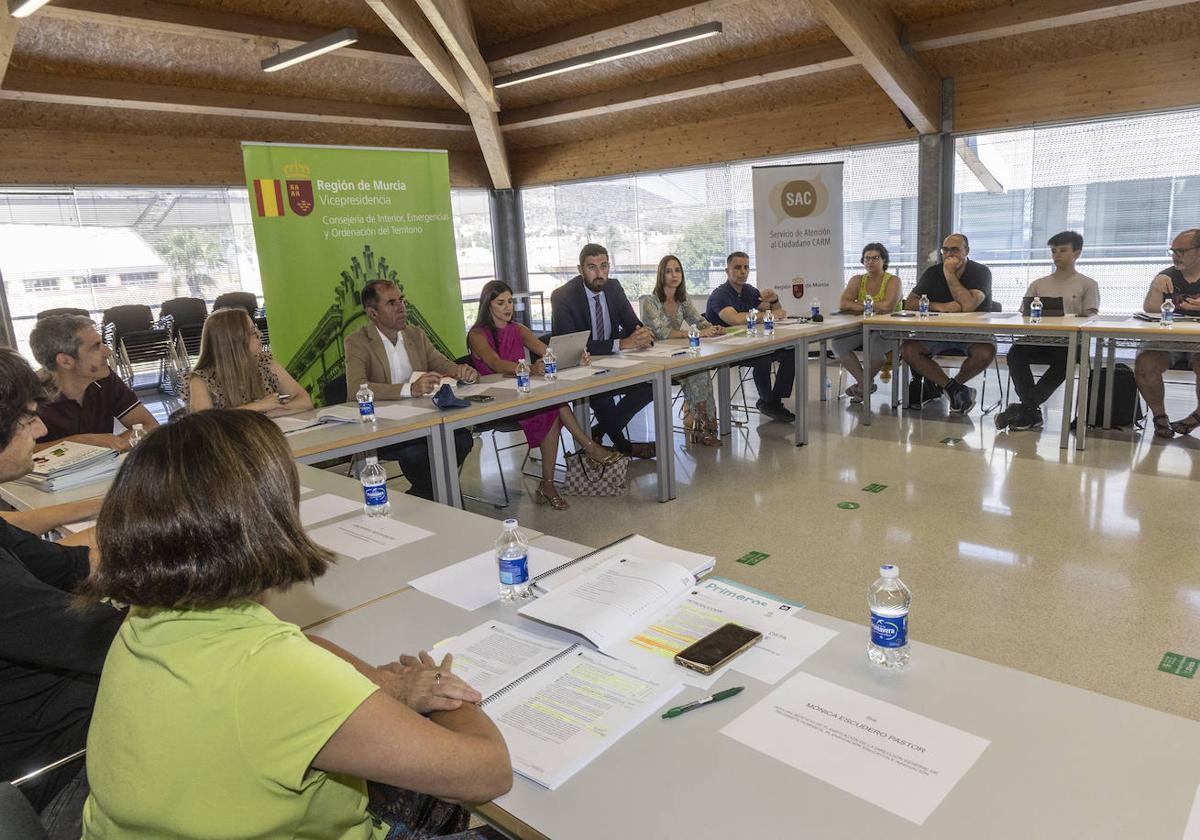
(601,329)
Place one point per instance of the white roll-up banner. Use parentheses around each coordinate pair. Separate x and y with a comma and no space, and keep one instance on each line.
(798,234)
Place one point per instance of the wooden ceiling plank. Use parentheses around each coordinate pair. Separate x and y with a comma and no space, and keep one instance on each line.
(409,24)
(582,33)
(39,87)
(8,37)
(487,131)
(171,18)
(872,32)
(739,74)
(1022,17)
(451,19)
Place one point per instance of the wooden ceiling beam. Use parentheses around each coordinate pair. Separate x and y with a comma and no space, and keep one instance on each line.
(739,74)
(8,37)
(488,133)
(408,23)
(872,32)
(451,19)
(67,90)
(581,34)
(1022,17)
(172,18)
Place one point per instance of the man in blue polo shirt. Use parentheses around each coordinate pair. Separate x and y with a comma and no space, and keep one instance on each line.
(728,305)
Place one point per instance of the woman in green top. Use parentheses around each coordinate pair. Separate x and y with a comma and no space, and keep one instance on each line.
(214,718)
(884,291)
(668,313)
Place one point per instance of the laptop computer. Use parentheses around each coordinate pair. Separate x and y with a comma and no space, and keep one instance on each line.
(568,349)
(1051,306)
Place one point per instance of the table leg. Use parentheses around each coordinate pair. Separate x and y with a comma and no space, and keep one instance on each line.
(1084,381)
(725,398)
(1110,378)
(866,359)
(800,389)
(824,371)
(664,436)
(445,480)
(1093,393)
(895,375)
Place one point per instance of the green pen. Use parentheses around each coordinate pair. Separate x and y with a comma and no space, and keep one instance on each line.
(696,704)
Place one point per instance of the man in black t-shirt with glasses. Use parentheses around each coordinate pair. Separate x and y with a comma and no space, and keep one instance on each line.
(956,284)
(1181,283)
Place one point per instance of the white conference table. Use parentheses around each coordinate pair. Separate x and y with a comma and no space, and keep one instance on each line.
(1063,762)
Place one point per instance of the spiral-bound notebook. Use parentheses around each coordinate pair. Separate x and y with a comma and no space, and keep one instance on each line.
(558,705)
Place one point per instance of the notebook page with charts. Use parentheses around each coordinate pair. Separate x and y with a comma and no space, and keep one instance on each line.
(614,600)
(558,705)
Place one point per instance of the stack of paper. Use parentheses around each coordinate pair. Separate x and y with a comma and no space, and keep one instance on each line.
(332,414)
(70,464)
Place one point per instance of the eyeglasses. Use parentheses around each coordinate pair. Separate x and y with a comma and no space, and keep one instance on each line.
(873,258)
(948,251)
(1179,252)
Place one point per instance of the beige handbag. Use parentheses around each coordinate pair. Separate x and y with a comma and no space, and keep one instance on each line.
(587,478)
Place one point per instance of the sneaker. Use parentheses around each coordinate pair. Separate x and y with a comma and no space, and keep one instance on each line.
(854,392)
(775,410)
(1030,418)
(920,391)
(1009,416)
(962,397)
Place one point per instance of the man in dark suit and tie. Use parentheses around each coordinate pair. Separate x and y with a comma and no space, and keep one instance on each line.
(590,301)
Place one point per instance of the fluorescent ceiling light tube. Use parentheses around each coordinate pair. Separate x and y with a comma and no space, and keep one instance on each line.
(24,8)
(328,43)
(646,45)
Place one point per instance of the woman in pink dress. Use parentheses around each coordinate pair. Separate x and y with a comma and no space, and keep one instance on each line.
(497,345)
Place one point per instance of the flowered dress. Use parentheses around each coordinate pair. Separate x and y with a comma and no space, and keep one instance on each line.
(697,387)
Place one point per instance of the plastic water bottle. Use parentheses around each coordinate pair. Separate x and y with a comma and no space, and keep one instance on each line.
(815,312)
(768,324)
(1035,310)
(889,600)
(366,403)
(868,306)
(693,340)
(1168,312)
(549,365)
(374,482)
(136,435)
(752,322)
(523,386)
(923,306)
(512,559)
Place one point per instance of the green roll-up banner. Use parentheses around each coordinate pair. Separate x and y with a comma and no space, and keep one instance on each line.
(329,219)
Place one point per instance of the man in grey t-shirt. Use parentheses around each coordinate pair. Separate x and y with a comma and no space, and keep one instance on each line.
(1080,296)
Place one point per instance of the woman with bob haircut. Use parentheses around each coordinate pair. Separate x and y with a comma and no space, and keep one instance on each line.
(497,344)
(215,719)
(668,313)
(235,371)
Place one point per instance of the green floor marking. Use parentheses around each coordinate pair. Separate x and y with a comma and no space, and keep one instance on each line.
(849,505)
(1178,664)
(949,441)
(875,488)
(753,558)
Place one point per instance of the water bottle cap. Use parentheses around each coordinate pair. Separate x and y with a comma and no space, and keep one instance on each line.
(889,571)
(138,427)
(372,459)
(510,524)
(364,385)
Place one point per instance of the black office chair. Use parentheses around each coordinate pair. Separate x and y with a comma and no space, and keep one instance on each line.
(335,392)
(189,315)
(136,339)
(63,310)
(237,300)
(18,819)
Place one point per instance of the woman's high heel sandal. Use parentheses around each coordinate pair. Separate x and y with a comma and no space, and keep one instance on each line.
(703,430)
(552,498)
(601,455)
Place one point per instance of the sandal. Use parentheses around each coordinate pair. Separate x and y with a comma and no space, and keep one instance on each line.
(1163,427)
(552,498)
(601,455)
(704,430)
(1184,426)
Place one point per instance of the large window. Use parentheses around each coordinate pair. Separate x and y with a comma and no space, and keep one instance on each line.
(702,214)
(1128,185)
(95,248)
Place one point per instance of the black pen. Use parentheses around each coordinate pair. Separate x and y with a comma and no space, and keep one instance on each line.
(680,353)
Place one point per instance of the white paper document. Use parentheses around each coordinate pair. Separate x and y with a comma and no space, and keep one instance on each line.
(402,410)
(364,536)
(326,506)
(901,761)
(698,564)
(510,383)
(659,351)
(494,655)
(77,527)
(602,362)
(787,639)
(474,582)
(581,372)
(1192,830)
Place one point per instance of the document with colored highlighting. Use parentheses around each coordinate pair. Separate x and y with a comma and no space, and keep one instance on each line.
(326,506)
(886,755)
(474,582)
(558,706)
(364,536)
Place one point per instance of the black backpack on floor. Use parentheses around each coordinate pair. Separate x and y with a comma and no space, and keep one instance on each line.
(1126,409)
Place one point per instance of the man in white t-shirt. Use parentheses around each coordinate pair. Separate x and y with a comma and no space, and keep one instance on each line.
(1080,296)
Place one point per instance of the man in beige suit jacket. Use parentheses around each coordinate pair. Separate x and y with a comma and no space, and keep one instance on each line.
(385,354)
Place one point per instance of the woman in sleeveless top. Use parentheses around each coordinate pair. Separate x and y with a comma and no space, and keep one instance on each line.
(497,345)
(884,290)
(668,313)
(234,371)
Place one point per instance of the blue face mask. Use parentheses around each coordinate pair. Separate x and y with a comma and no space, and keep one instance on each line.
(444,399)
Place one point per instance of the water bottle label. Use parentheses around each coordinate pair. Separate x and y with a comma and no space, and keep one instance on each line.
(693,341)
(375,494)
(816,309)
(514,571)
(551,368)
(523,381)
(366,409)
(1168,317)
(889,631)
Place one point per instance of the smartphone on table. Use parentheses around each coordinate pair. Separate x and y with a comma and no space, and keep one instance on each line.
(718,647)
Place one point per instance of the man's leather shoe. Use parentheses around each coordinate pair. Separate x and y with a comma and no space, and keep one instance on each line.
(643,450)
(775,410)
